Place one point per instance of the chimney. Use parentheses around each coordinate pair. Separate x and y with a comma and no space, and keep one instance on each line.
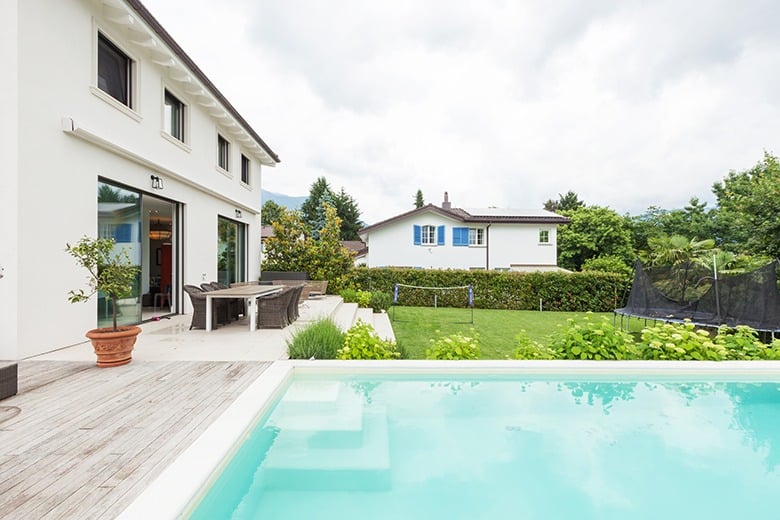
(446,204)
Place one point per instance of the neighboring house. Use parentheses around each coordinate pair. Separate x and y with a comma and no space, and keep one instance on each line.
(108,128)
(454,238)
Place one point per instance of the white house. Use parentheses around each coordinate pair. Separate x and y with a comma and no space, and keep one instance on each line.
(446,237)
(108,128)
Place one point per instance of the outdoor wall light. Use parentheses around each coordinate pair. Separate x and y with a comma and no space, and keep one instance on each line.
(238,213)
(157,182)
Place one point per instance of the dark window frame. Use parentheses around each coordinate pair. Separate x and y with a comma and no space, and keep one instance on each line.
(114,71)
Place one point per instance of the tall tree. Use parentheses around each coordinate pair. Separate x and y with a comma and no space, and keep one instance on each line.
(270,213)
(346,208)
(694,220)
(568,202)
(594,231)
(419,202)
(749,205)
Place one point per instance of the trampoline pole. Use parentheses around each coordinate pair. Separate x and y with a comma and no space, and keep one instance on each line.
(717,294)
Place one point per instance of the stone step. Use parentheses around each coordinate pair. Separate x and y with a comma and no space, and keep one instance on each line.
(344,315)
(300,459)
(383,327)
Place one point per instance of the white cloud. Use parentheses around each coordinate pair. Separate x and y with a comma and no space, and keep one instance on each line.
(499,103)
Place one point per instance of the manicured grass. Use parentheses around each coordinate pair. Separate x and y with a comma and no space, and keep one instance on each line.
(414,327)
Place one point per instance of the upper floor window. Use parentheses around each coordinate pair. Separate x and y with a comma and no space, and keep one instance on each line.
(115,72)
(476,237)
(462,236)
(428,235)
(174,116)
(245,164)
(223,153)
(544,236)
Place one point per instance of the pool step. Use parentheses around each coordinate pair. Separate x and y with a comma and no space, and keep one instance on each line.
(322,460)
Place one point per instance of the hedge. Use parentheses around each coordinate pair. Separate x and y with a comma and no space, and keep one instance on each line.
(558,291)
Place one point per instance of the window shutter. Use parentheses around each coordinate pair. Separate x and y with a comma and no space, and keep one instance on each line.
(440,236)
(460,236)
(123,233)
(417,235)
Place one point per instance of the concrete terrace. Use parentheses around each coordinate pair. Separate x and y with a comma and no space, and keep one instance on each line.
(83,442)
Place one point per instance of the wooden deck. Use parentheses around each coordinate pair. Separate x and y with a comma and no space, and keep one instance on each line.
(83,442)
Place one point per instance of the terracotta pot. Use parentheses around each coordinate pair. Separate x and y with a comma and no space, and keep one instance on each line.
(114,349)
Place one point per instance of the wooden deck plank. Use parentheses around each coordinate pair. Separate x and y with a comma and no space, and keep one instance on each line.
(88,441)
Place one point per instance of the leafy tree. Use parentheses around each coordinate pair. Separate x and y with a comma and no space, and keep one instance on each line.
(346,209)
(292,248)
(594,231)
(419,202)
(271,212)
(677,249)
(694,220)
(749,205)
(568,202)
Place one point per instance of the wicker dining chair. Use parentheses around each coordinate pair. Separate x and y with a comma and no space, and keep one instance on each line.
(292,306)
(272,310)
(236,306)
(198,299)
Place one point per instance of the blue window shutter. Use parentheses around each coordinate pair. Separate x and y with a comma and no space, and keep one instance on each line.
(123,233)
(440,236)
(417,235)
(460,236)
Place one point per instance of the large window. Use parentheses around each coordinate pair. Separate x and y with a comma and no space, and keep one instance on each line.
(245,165)
(115,72)
(223,153)
(231,251)
(174,116)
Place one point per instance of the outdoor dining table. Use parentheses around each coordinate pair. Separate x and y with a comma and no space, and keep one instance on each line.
(248,292)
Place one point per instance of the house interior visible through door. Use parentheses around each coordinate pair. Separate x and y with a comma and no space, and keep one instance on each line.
(159,284)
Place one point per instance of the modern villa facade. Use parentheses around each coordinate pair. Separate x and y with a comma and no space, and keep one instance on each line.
(433,237)
(109,129)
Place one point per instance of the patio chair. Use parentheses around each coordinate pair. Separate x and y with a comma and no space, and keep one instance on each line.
(225,306)
(292,307)
(272,310)
(235,305)
(304,294)
(317,288)
(198,299)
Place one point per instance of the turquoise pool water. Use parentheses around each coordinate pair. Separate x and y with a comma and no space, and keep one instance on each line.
(507,447)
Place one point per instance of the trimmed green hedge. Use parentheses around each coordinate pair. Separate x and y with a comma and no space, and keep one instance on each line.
(559,291)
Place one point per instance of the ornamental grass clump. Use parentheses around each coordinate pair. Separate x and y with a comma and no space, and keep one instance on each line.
(320,340)
(589,339)
(362,342)
(455,346)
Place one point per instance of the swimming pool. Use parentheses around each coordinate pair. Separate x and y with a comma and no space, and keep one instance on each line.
(497,439)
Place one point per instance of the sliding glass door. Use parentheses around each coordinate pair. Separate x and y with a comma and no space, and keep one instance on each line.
(231,251)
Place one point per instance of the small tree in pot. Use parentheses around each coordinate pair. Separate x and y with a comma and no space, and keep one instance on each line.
(114,274)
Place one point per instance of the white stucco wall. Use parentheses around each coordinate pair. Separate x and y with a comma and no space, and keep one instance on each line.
(507,245)
(57,171)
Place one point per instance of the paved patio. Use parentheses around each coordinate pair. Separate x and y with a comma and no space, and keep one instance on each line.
(83,442)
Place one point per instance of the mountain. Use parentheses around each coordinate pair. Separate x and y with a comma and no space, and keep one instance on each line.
(287,201)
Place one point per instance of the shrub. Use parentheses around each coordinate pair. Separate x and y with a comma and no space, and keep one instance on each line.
(362,298)
(454,346)
(380,301)
(590,339)
(319,340)
(362,342)
(743,343)
(529,349)
(676,341)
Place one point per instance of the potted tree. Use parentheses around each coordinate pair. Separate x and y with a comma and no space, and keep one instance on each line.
(113,274)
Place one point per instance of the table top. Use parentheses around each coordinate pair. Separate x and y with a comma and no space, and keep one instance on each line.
(244,291)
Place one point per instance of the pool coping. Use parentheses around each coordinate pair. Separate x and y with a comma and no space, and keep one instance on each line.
(173,494)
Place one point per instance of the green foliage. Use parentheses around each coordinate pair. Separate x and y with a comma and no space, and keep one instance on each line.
(362,342)
(592,339)
(362,298)
(593,231)
(559,291)
(319,340)
(568,202)
(380,301)
(454,346)
(110,270)
(608,264)
(749,202)
(694,220)
(293,249)
(271,212)
(526,348)
(680,342)
(742,343)
(347,210)
(419,202)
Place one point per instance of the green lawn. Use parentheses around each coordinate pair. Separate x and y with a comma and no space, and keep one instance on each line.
(414,327)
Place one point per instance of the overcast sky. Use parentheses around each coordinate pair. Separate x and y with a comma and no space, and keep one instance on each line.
(501,103)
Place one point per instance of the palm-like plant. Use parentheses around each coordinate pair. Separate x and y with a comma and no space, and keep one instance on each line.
(682,255)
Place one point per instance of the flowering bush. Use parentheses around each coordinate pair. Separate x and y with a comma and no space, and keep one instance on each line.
(590,339)
(362,342)
(529,349)
(454,346)
(680,342)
